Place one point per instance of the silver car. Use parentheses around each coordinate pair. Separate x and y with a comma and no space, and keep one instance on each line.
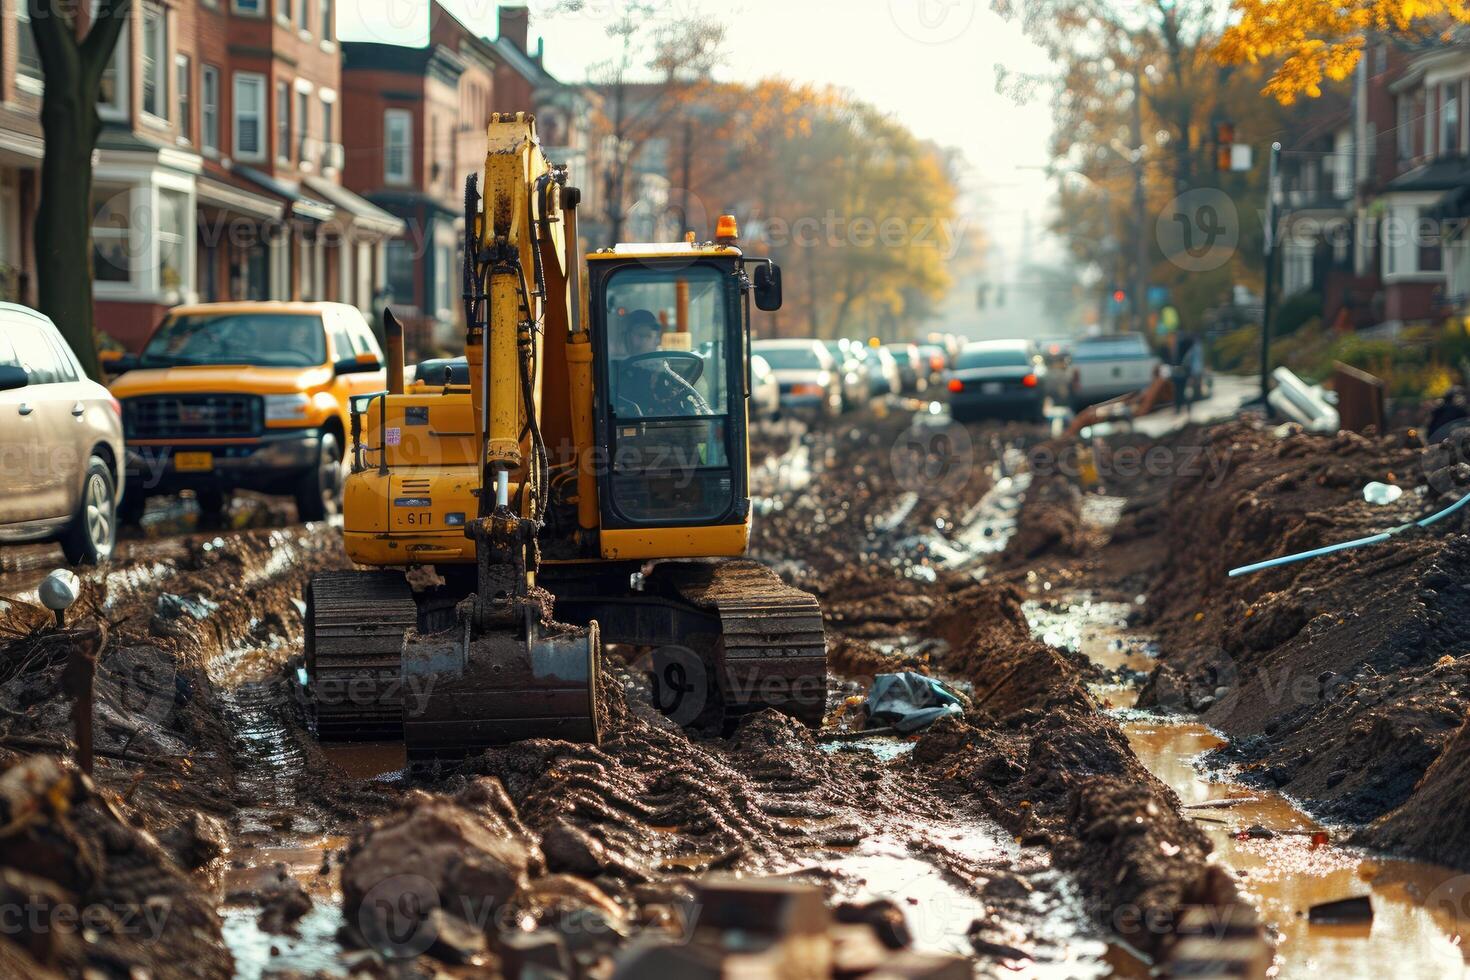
(61,443)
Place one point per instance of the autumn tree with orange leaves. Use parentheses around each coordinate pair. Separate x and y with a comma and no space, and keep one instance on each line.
(1311,41)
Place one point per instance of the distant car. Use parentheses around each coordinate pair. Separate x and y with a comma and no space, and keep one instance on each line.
(1056,354)
(765,390)
(61,443)
(884,376)
(850,367)
(936,359)
(915,380)
(1108,366)
(806,373)
(998,379)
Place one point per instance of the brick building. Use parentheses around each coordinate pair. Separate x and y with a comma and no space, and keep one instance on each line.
(218,171)
(415,123)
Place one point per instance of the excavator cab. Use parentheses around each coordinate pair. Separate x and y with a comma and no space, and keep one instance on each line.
(670,392)
(580,477)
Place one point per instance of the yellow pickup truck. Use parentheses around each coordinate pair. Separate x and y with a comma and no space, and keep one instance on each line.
(254,396)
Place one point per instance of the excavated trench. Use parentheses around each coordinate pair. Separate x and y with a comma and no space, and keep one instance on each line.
(990,834)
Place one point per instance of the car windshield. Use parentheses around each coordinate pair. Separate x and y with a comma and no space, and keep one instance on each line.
(790,358)
(1005,357)
(261,339)
(1110,347)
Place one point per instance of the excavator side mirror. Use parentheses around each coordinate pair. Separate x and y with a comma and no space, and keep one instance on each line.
(768,287)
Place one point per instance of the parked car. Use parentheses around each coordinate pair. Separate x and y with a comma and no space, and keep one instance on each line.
(848,357)
(906,356)
(884,376)
(935,360)
(998,379)
(765,390)
(61,443)
(253,396)
(1056,354)
(806,373)
(1110,365)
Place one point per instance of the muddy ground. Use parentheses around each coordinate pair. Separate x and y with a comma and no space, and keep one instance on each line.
(1341,681)
(1024,834)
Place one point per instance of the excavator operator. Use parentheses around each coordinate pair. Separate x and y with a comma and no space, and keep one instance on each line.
(647,383)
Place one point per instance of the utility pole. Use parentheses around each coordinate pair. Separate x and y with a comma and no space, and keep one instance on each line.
(687,178)
(1140,259)
(1269,237)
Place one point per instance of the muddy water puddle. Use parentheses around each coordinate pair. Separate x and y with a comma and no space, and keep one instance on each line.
(1286,861)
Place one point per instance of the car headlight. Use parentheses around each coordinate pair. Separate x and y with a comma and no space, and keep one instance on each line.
(286,408)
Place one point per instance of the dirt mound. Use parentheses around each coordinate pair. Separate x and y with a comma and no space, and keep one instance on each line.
(1338,677)
(1431,824)
(96,892)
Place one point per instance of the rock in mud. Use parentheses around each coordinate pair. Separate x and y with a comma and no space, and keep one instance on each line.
(569,848)
(467,854)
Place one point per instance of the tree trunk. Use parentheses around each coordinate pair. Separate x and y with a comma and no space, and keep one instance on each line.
(70,124)
(63,230)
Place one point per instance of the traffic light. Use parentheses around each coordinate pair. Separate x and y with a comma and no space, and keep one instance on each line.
(1119,296)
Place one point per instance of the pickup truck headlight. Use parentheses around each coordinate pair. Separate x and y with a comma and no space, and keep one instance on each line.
(286,408)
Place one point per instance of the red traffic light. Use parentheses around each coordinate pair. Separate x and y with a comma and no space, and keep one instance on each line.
(1119,296)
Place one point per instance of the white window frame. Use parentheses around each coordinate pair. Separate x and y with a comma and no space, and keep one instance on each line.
(164,63)
(34,84)
(327,14)
(146,285)
(302,110)
(117,109)
(262,131)
(184,98)
(209,143)
(391,175)
(1448,119)
(1404,119)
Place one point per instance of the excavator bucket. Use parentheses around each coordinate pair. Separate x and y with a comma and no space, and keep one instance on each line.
(463,695)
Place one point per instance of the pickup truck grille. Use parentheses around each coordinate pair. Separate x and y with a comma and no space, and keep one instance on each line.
(202,416)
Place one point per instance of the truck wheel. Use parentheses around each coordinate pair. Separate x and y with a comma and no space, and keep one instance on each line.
(130,511)
(319,495)
(212,505)
(92,533)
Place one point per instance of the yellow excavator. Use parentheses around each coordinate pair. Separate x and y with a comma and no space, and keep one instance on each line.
(580,476)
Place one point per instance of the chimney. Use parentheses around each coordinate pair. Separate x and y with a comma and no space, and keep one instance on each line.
(515,25)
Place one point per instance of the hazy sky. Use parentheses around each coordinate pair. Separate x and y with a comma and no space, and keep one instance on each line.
(932,63)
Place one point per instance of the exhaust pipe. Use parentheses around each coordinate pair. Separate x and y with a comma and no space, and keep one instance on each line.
(393,336)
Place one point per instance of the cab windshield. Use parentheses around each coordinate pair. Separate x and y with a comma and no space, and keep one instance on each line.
(259,339)
(669,350)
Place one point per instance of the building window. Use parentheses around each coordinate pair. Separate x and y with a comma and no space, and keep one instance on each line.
(112,247)
(301,7)
(184,95)
(155,62)
(398,259)
(1449,119)
(250,8)
(329,25)
(283,121)
(397,131)
(303,124)
(209,107)
(28,59)
(173,240)
(248,138)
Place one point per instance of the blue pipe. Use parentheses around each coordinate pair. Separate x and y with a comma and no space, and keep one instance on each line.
(1349,545)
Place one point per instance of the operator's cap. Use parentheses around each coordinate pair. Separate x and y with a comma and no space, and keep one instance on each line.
(641,320)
